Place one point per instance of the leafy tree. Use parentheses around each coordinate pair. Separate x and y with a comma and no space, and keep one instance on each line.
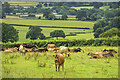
(35,33)
(98,32)
(9,33)
(115,22)
(46,13)
(111,32)
(64,17)
(6,8)
(3,15)
(58,33)
(114,5)
(101,23)
(95,16)
(97,4)
(80,14)
(51,16)
(39,5)
(45,5)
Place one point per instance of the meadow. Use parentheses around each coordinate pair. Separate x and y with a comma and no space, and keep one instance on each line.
(78,65)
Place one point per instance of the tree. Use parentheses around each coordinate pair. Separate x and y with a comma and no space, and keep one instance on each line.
(64,16)
(46,13)
(101,23)
(35,33)
(6,8)
(9,33)
(98,32)
(115,22)
(97,4)
(95,16)
(111,32)
(51,16)
(3,15)
(58,33)
(39,5)
(80,14)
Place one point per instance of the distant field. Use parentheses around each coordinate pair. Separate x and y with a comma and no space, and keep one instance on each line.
(59,23)
(88,7)
(46,31)
(79,65)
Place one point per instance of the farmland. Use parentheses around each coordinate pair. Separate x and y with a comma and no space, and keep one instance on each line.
(46,31)
(76,66)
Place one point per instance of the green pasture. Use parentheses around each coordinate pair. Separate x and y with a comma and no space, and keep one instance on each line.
(88,7)
(46,31)
(59,23)
(78,65)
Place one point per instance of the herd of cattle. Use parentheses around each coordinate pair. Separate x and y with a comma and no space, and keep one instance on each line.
(59,58)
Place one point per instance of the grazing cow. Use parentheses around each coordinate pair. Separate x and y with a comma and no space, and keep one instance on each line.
(75,50)
(29,50)
(64,50)
(51,49)
(59,60)
(51,46)
(40,50)
(95,55)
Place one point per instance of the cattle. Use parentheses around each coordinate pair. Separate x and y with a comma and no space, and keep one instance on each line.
(10,50)
(29,50)
(95,55)
(108,54)
(59,60)
(56,50)
(64,50)
(75,50)
(51,49)
(51,46)
(40,50)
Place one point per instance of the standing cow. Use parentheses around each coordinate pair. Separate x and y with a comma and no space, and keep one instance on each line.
(59,60)
(64,50)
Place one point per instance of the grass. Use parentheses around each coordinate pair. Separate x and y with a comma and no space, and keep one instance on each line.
(59,23)
(78,66)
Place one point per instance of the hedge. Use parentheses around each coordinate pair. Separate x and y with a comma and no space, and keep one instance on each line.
(71,43)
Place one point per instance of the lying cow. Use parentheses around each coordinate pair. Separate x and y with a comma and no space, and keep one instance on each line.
(40,50)
(51,46)
(59,60)
(75,50)
(10,50)
(95,55)
(64,50)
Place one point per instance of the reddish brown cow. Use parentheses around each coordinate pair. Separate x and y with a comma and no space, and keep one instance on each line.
(59,60)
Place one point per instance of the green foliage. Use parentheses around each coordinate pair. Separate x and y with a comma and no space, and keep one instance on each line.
(97,4)
(34,33)
(95,16)
(80,14)
(64,17)
(100,24)
(51,17)
(57,33)
(9,33)
(30,15)
(6,8)
(98,32)
(110,33)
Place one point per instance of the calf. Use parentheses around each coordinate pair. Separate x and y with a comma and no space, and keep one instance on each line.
(10,50)
(59,60)
(95,55)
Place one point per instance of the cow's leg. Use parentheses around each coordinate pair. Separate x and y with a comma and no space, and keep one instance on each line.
(59,68)
(62,67)
(56,67)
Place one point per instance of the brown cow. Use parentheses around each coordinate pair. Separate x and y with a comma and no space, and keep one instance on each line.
(51,46)
(64,50)
(56,50)
(59,60)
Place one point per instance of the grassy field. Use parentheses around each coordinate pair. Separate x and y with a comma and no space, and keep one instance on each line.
(79,65)
(59,23)
(88,7)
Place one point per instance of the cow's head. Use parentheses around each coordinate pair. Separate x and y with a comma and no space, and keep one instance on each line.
(112,50)
(56,58)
